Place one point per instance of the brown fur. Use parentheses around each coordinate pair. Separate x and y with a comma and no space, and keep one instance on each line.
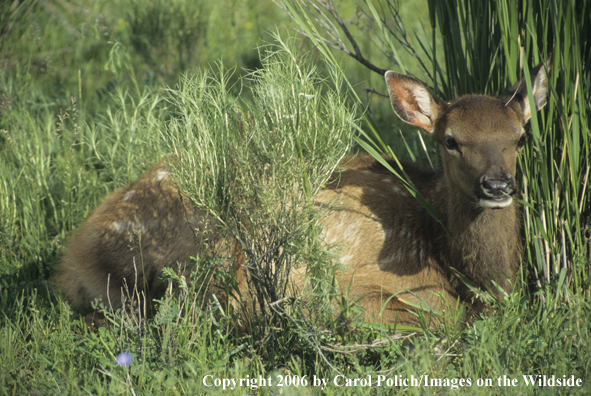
(138,230)
(388,242)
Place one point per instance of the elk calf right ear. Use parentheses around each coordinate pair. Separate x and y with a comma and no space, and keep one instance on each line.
(518,93)
(412,101)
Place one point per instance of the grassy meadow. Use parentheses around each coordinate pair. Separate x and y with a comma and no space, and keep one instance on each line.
(92,93)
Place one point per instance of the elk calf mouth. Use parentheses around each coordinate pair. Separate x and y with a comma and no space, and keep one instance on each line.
(495,202)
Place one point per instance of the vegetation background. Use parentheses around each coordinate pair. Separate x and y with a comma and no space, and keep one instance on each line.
(85,97)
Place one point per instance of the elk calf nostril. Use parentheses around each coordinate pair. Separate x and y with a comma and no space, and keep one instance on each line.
(497,187)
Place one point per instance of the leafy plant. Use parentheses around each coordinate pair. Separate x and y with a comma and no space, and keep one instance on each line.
(255,168)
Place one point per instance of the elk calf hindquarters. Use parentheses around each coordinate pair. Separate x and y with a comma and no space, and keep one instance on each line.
(393,250)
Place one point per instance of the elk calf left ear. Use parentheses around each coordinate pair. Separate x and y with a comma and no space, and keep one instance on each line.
(518,93)
(412,101)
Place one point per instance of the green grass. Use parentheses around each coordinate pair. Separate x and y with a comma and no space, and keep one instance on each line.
(88,92)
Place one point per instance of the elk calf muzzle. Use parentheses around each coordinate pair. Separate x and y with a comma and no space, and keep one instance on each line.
(495,192)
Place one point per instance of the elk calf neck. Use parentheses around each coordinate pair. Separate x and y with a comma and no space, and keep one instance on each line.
(393,250)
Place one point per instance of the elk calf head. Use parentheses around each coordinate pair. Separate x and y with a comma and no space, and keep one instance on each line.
(481,136)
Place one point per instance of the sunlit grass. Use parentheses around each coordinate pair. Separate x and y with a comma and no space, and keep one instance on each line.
(71,131)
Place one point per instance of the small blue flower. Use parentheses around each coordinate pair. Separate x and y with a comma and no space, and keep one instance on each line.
(124,359)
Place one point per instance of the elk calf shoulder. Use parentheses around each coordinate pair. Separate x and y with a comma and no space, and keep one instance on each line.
(393,250)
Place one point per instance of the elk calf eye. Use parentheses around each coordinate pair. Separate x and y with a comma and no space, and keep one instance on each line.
(521,141)
(451,144)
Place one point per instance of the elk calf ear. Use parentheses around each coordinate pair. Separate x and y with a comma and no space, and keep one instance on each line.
(518,93)
(412,101)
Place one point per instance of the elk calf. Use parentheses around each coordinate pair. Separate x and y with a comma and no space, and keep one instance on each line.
(393,250)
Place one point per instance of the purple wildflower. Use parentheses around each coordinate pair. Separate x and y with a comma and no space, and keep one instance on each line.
(124,359)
